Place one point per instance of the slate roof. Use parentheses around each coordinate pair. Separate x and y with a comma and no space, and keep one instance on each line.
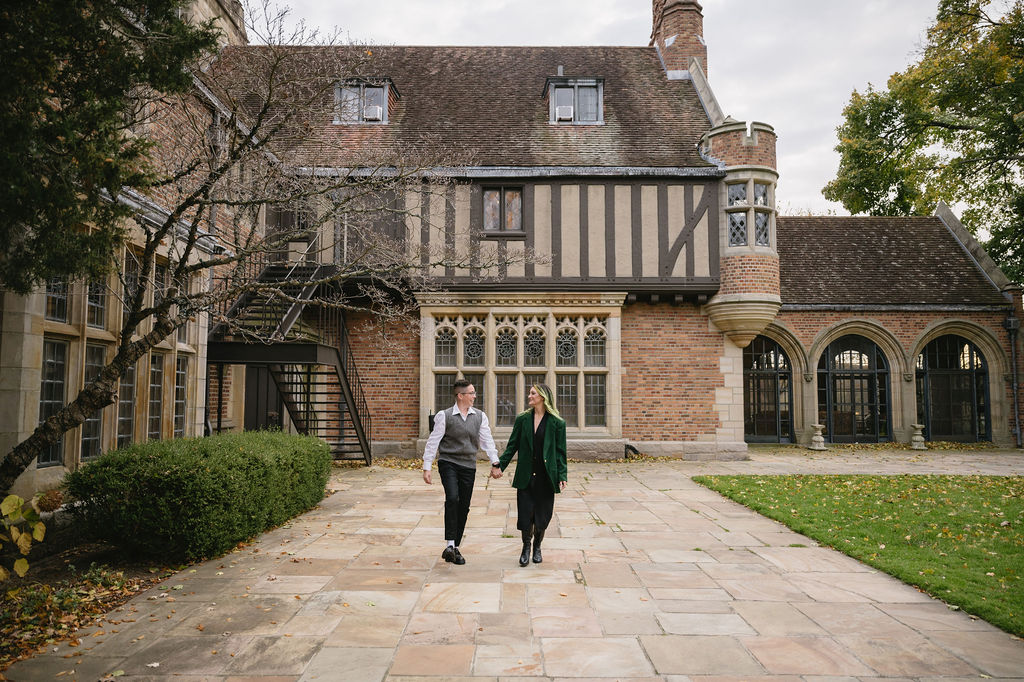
(839,260)
(487,103)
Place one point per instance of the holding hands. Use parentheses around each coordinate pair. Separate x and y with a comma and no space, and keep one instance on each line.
(496,471)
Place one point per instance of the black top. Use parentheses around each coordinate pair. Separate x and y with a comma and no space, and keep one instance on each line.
(538,444)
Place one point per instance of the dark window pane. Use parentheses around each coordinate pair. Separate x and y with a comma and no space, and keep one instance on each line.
(534,348)
(156,396)
(566,349)
(505,350)
(180,396)
(505,394)
(595,399)
(92,427)
(594,349)
(473,348)
(96,305)
(444,348)
(57,300)
(126,408)
(51,394)
(566,400)
(444,391)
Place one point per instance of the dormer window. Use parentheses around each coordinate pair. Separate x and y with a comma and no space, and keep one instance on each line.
(575,100)
(362,102)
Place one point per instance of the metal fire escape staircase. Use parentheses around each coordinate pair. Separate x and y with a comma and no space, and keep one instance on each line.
(308,356)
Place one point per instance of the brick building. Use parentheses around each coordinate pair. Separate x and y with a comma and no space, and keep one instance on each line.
(658,292)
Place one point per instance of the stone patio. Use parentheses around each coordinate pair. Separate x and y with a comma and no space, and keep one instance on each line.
(646,576)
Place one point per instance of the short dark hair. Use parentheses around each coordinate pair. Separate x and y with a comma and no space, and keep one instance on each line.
(460,384)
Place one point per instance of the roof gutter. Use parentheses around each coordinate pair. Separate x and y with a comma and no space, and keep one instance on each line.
(523,171)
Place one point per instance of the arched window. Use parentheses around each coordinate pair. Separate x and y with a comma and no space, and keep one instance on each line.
(444,348)
(853,391)
(767,393)
(473,349)
(952,391)
(505,351)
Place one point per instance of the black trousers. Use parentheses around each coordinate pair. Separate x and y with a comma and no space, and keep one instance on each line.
(458,493)
(535,503)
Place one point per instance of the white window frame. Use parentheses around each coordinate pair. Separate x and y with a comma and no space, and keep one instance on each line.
(575,84)
(360,118)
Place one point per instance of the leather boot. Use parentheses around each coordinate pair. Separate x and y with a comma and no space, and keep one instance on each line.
(538,537)
(524,558)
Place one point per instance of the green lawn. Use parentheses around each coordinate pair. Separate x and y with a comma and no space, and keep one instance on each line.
(958,538)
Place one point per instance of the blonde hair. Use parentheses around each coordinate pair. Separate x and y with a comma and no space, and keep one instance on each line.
(549,399)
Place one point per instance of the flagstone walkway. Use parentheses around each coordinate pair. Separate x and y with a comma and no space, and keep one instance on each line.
(646,576)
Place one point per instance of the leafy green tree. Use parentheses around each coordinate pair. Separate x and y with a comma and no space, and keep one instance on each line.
(950,127)
(72,78)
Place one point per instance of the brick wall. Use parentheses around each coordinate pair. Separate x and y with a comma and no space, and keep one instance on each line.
(750,273)
(736,148)
(670,372)
(389,369)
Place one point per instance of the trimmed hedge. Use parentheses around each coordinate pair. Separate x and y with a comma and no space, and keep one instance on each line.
(187,499)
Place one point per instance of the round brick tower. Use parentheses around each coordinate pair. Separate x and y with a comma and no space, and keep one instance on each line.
(748,299)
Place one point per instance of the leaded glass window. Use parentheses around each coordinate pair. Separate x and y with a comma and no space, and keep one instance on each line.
(478,385)
(737,194)
(156,396)
(96,304)
(595,399)
(534,348)
(760,194)
(473,348)
(92,427)
(444,348)
(566,398)
(505,395)
(444,391)
(126,408)
(566,350)
(57,299)
(503,209)
(180,395)
(953,391)
(762,229)
(505,352)
(51,394)
(593,349)
(737,229)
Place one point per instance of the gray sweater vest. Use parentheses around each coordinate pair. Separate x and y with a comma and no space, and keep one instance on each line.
(461,440)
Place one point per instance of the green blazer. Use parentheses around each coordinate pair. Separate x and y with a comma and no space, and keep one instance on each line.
(521,441)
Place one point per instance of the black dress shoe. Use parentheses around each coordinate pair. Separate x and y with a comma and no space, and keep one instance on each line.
(459,559)
(537,558)
(524,558)
(449,554)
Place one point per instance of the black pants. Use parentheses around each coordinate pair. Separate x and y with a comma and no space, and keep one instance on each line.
(535,503)
(458,493)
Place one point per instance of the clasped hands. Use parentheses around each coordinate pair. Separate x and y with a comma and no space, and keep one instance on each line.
(496,471)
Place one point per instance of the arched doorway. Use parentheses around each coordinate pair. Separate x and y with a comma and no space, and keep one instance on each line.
(952,391)
(853,391)
(767,393)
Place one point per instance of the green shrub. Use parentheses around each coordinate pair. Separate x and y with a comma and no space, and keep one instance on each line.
(186,499)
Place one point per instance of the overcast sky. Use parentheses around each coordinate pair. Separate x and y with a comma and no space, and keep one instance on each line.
(789,63)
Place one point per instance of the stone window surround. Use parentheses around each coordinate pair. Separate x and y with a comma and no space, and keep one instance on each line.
(548,307)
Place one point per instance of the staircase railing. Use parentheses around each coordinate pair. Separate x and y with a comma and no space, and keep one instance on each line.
(335,334)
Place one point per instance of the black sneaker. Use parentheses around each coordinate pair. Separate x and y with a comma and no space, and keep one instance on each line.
(458,560)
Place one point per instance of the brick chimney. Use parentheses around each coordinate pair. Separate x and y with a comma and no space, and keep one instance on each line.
(678,33)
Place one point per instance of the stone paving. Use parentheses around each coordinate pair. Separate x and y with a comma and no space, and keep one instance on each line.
(646,576)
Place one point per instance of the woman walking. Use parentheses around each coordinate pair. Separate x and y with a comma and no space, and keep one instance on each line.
(539,437)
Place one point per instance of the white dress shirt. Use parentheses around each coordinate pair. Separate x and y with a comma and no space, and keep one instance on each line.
(485,439)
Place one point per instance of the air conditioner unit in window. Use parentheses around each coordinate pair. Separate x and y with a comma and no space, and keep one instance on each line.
(563,113)
(372,113)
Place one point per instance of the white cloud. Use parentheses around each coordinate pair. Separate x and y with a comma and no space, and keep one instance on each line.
(789,63)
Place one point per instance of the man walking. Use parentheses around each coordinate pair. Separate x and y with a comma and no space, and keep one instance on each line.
(459,433)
